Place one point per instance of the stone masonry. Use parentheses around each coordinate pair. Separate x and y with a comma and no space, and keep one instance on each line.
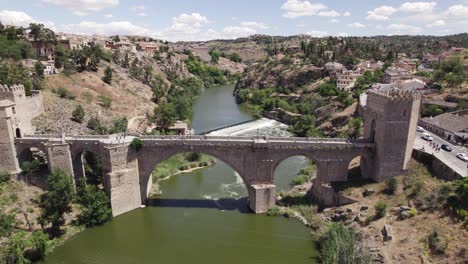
(389,124)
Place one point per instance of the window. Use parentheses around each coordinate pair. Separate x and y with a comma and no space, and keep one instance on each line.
(14,110)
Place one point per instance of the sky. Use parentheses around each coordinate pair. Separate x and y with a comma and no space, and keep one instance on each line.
(188,20)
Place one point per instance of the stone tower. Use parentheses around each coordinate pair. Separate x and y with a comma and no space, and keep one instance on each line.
(16,113)
(390,120)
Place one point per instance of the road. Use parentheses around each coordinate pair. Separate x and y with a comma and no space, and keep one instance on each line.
(449,158)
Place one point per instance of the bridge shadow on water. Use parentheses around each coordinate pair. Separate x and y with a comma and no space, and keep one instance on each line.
(223,204)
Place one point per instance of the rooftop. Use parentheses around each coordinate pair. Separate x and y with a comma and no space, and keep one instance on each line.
(452,122)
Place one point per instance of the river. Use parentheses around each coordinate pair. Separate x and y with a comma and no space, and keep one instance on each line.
(202,216)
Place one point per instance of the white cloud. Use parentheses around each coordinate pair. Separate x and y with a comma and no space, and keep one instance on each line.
(143,14)
(331,13)
(84,7)
(356,25)
(108,16)
(317,33)
(437,23)
(138,8)
(458,11)
(112,28)
(403,28)
(346,14)
(253,24)
(417,7)
(19,18)
(334,20)
(190,20)
(236,32)
(298,8)
(380,13)
(342,34)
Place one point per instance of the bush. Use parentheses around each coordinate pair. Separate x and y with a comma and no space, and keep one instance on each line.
(436,243)
(136,144)
(105,101)
(391,186)
(6,224)
(275,211)
(64,93)
(25,248)
(380,210)
(30,166)
(193,156)
(78,114)
(300,180)
(107,78)
(339,245)
(4,177)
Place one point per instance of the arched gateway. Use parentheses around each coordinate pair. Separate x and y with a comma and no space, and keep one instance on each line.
(127,172)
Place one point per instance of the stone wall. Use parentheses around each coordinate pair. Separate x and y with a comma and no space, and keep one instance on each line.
(437,166)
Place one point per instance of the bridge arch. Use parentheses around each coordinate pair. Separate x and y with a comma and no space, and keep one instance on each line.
(150,159)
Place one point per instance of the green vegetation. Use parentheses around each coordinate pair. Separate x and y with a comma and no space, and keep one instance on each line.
(432,110)
(210,75)
(450,72)
(340,245)
(6,224)
(25,248)
(64,93)
(180,162)
(107,78)
(380,210)
(391,186)
(436,242)
(304,175)
(31,166)
(95,206)
(136,144)
(78,114)
(105,101)
(56,201)
(4,177)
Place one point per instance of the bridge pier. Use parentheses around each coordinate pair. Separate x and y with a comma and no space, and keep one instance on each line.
(59,157)
(261,197)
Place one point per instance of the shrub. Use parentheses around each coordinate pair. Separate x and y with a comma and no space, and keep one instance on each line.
(299,180)
(6,224)
(107,78)
(78,114)
(30,166)
(380,210)
(105,101)
(64,93)
(4,177)
(436,243)
(339,245)
(391,186)
(275,211)
(136,144)
(193,156)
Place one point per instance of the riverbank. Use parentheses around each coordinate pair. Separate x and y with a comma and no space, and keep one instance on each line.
(417,204)
(177,164)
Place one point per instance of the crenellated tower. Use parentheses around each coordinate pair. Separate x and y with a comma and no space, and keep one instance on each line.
(390,120)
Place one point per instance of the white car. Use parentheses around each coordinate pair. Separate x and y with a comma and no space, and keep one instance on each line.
(462,156)
(427,136)
(420,129)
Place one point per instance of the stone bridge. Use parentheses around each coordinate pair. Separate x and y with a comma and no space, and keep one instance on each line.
(390,120)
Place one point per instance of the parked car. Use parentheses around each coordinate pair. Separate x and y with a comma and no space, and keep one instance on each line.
(420,129)
(446,147)
(427,136)
(463,156)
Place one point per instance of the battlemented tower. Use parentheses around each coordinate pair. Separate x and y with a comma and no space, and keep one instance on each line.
(390,120)
(16,113)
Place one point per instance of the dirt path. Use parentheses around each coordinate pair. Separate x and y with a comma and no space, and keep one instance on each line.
(135,122)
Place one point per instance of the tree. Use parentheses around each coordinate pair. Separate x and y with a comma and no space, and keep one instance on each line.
(107,78)
(56,201)
(235,57)
(165,116)
(95,207)
(78,114)
(136,144)
(24,248)
(39,69)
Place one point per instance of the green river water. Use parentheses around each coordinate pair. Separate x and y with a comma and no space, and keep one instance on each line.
(201,217)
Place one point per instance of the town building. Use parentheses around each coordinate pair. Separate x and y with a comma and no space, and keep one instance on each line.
(345,80)
(180,128)
(333,68)
(450,126)
(148,47)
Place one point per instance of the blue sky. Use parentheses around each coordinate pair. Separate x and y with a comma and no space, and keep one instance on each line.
(209,19)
